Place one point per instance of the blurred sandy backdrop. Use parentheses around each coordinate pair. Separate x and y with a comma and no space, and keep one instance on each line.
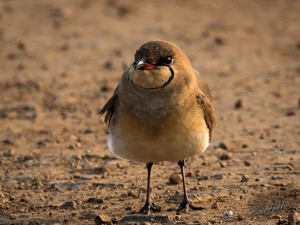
(61,60)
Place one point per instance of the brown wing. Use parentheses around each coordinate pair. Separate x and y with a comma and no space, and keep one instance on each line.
(204,100)
(109,108)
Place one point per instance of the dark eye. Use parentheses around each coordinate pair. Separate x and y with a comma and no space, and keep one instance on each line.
(168,60)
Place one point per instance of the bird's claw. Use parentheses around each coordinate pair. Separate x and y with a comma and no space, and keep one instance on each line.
(150,206)
(185,205)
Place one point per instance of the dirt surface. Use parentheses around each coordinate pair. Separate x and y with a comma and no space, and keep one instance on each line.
(61,60)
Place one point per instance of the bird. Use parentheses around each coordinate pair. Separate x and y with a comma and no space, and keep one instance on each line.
(161,110)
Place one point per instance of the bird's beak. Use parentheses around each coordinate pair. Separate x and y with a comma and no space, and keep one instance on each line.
(141,65)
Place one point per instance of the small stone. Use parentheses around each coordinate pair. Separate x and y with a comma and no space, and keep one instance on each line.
(20,66)
(55,187)
(41,144)
(177,217)
(238,104)
(219,41)
(189,174)
(10,153)
(21,45)
(73,214)
(223,164)
(88,131)
(175,178)
(240,217)
(245,178)
(225,156)
(102,219)
(99,170)
(1,194)
(129,207)
(202,177)
(223,146)
(247,163)
(228,213)
(71,147)
(290,112)
(89,216)
(11,55)
(95,200)
(293,217)
(218,176)
(68,205)
(215,205)
(108,65)
(282,221)
(7,141)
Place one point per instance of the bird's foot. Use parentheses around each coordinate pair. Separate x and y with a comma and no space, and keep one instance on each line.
(185,205)
(150,206)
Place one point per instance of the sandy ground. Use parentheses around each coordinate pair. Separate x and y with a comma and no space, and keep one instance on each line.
(61,60)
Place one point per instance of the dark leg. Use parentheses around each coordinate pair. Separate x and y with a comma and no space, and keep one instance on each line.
(149,205)
(185,204)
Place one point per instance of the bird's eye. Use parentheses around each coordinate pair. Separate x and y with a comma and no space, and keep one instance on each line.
(168,60)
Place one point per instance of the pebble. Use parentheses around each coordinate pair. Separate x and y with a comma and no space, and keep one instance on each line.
(293,217)
(7,141)
(95,200)
(89,216)
(244,146)
(218,176)
(21,45)
(290,112)
(41,144)
(247,163)
(228,213)
(68,205)
(177,217)
(129,207)
(2,195)
(215,205)
(189,174)
(223,146)
(240,217)
(282,221)
(10,153)
(108,65)
(223,164)
(218,41)
(175,178)
(245,178)
(11,55)
(99,170)
(238,104)
(202,177)
(225,156)
(102,219)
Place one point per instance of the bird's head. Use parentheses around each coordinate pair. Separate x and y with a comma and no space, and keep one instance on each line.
(159,65)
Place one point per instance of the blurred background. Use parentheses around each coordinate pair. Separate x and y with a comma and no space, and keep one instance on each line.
(61,60)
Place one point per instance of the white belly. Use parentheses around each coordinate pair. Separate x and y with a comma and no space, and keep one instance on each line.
(170,146)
